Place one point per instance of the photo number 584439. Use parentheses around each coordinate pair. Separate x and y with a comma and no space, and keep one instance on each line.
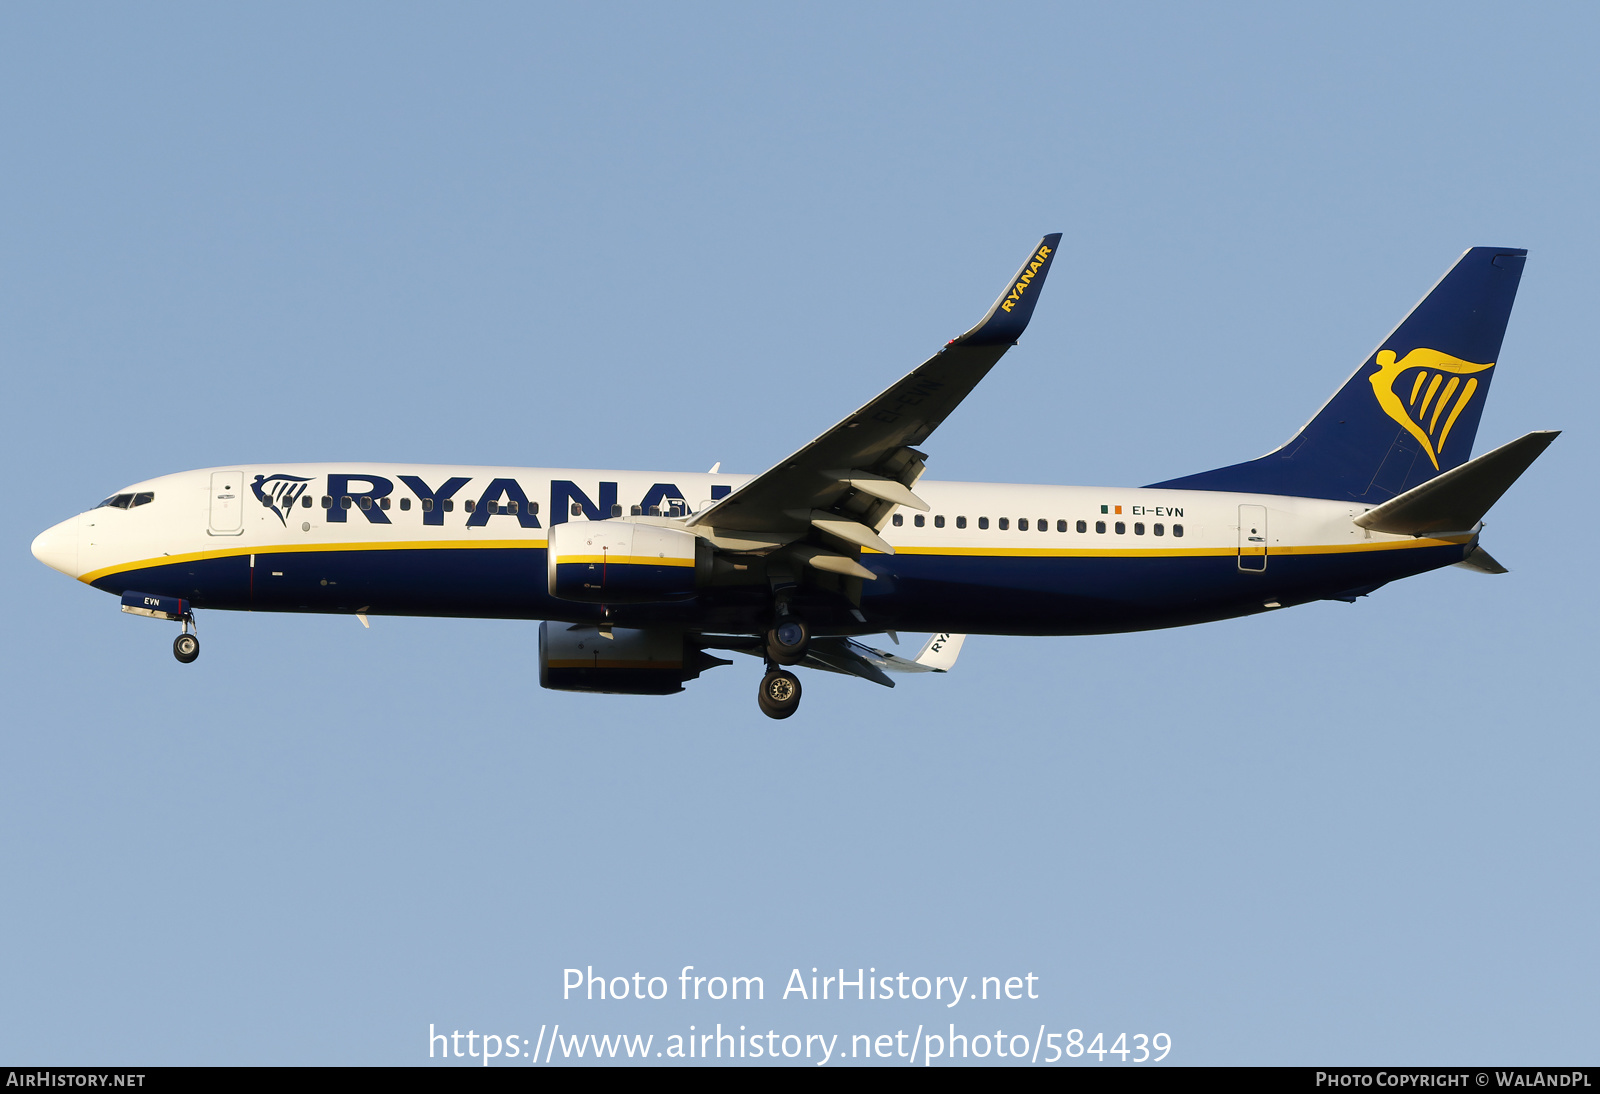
(1138,1052)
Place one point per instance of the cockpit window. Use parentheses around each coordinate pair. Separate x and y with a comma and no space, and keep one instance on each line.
(127,501)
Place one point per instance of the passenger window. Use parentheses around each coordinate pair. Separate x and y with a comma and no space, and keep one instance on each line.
(636,511)
(1061,526)
(533,507)
(1044,524)
(938,522)
(1100,526)
(1022,524)
(1177,530)
(366,502)
(1083,526)
(405,505)
(469,505)
(1005,524)
(961,522)
(1122,529)
(577,510)
(427,505)
(1159,529)
(899,520)
(1138,529)
(383,503)
(305,502)
(616,510)
(983,523)
(511,507)
(344,502)
(327,502)
(920,521)
(450,505)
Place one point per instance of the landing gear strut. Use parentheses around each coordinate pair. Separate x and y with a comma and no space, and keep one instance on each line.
(779,695)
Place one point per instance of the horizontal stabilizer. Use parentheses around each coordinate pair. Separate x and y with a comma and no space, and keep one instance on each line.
(1483,562)
(1456,500)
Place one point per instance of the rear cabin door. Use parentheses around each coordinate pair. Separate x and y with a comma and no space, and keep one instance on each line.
(227,503)
(1253,537)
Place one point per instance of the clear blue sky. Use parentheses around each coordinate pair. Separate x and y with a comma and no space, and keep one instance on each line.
(657,237)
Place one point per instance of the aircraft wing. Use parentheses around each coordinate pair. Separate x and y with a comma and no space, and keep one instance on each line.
(845,483)
(846,655)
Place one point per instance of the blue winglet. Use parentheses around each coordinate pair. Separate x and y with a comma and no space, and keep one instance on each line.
(1006,321)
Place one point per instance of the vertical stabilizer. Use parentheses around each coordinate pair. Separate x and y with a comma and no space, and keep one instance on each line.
(1410,411)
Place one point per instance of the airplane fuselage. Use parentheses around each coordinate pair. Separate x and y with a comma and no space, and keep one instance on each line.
(988,558)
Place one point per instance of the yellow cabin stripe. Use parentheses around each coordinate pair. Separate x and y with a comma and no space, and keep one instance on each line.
(1170,552)
(645,560)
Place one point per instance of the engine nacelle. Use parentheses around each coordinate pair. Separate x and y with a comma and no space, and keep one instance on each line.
(619,562)
(630,662)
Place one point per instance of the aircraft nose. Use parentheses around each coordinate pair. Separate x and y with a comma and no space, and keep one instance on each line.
(57,547)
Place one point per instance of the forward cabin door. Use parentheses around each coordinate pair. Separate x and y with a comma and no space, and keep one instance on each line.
(227,503)
(1253,537)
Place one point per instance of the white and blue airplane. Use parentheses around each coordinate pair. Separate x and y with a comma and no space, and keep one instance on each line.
(636,576)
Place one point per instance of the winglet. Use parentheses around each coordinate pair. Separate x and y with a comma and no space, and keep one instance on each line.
(1009,317)
(941,651)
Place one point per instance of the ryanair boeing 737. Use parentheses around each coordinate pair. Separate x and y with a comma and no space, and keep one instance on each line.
(637,576)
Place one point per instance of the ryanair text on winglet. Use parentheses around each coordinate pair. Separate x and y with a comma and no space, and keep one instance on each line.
(1015,295)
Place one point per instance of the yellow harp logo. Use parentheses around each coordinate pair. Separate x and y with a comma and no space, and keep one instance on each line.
(1423,411)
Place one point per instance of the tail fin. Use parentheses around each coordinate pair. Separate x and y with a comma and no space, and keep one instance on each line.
(1411,411)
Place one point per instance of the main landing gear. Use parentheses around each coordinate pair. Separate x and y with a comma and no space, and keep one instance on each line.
(787,642)
(779,695)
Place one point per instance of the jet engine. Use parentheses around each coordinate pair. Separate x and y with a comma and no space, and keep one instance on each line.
(620,562)
(618,661)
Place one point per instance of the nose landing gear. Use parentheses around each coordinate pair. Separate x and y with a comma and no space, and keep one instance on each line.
(779,694)
(186,647)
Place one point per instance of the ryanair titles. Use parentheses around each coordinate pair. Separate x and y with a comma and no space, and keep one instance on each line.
(377,498)
(1014,297)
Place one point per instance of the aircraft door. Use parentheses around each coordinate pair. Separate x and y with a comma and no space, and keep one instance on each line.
(227,503)
(1253,538)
